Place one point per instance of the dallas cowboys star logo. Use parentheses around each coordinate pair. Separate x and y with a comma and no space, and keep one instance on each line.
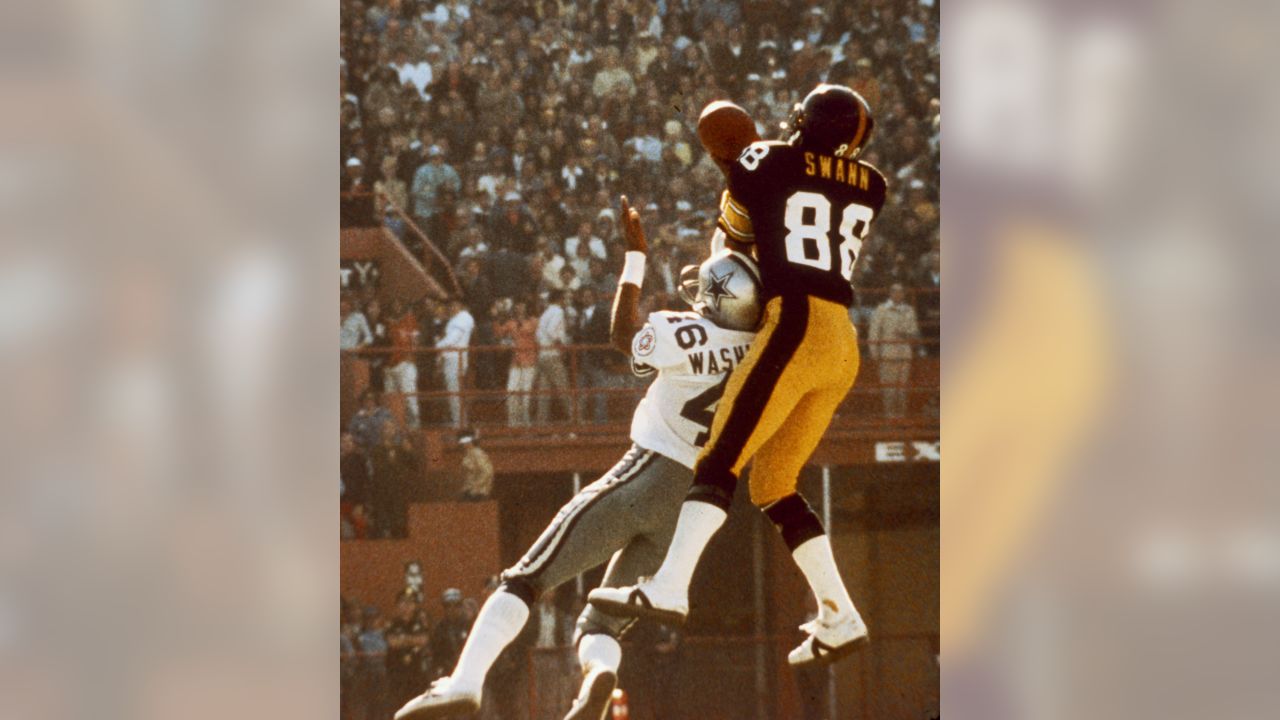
(718,288)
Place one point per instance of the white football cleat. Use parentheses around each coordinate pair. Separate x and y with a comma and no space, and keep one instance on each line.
(440,701)
(645,600)
(593,699)
(829,642)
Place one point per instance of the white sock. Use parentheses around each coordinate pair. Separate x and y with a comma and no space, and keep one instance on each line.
(698,522)
(819,567)
(499,622)
(599,651)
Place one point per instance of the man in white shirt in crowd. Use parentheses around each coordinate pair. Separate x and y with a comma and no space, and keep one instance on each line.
(893,331)
(355,331)
(453,358)
(585,236)
(553,332)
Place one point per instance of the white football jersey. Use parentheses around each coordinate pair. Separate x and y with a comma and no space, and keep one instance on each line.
(692,357)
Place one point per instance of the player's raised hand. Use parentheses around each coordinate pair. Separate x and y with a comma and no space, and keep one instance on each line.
(632,230)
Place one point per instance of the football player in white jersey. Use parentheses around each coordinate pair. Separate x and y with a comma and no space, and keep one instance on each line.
(629,514)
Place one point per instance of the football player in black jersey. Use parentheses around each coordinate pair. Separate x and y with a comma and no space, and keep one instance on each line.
(805,203)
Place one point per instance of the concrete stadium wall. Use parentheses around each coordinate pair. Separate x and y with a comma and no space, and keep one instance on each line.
(456,543)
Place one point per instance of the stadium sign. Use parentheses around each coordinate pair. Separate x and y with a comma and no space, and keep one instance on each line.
(359,274)
(913,451)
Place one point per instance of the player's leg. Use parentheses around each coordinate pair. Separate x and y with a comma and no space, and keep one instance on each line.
(759,396)
(773,488)
(601,518)
(598,633)
(838,627)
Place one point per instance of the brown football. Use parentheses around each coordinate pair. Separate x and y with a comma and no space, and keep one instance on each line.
(724,129)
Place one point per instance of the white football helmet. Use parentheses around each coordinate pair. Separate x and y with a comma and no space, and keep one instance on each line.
(725,289)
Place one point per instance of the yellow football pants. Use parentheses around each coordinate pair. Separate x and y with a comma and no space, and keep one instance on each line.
(779,400)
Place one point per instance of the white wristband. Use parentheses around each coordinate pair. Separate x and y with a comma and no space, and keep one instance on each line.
(633,268)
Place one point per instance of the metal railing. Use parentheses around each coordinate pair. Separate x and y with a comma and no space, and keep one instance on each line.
(600,391)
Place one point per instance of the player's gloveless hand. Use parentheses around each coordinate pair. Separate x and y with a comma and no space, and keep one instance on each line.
(632,230)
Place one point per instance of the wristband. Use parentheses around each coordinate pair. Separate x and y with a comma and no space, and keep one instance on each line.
(633,268)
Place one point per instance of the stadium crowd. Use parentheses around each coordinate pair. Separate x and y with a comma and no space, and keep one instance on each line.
(507,130)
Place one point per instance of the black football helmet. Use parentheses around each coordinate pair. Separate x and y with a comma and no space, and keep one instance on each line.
(832,119)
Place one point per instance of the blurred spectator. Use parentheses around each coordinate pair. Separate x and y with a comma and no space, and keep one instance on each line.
(371,422)
(549,264)
(569,281)
(371,645)
(477,470)
(554,626)
(389,187)
(477,292)
(428,183)
(893,332)
(358,527)
(449,634)
(417,73)
(511,225)
(510,273)
(459,325)
(353,467)
(520,331)
(613,78)
(413,582)
(381,341)
(554,630)
(409,645)
(552,378)
(348,666)
(580,262)
(929,303)
(585,237)
(355,331)
(356,208)
(597,369)
(395,473)
(401,374)
(478,295)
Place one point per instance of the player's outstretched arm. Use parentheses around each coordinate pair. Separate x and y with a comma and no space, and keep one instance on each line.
(625,321)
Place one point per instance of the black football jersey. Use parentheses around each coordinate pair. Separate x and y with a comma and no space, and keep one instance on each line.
(807,214)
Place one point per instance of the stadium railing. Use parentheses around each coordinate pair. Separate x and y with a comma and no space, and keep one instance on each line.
(601,379)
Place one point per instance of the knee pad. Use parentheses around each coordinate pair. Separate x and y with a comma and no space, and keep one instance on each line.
(795,520)
(594,622)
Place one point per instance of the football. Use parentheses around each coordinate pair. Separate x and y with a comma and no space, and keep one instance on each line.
(724,129)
